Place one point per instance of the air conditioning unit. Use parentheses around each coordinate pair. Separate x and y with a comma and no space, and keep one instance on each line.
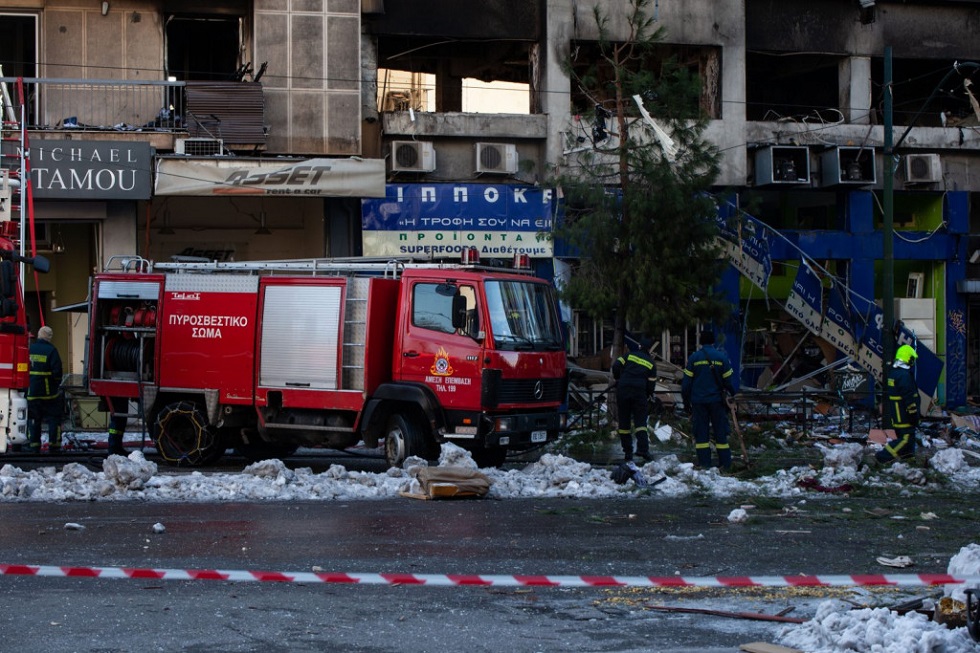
(782,165)
(413,156)
(496,157)
(199,146)
(848,166)
(923,169)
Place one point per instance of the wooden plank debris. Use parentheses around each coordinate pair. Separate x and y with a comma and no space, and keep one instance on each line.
(762,647)
(756,616)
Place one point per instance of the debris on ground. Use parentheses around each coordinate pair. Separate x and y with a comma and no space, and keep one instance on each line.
(762,647)
(445,482)
(900,561)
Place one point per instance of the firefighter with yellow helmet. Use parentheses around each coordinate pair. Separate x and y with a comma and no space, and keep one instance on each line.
(901,403)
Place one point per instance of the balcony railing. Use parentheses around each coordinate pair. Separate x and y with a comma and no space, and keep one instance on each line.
(96,104)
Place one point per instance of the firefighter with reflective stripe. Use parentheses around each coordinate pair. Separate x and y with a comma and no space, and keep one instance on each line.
(45,403)
(902,405)
(632,373)
(117,407)
(707,383)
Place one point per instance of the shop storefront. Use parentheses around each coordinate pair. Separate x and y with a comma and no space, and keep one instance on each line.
(87,195)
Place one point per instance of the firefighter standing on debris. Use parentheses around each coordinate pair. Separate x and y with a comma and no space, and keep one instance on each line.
(707,383)
(45,403)
(632,372)
(902,405)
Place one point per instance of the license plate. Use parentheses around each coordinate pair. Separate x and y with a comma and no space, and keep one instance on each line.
(539,436)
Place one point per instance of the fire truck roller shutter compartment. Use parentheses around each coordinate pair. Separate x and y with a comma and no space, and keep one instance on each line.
(300,336)
(135,290)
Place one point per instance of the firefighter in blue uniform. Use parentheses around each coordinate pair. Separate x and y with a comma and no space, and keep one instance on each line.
(902,405)
(632,372)
(705,387)
(45,403)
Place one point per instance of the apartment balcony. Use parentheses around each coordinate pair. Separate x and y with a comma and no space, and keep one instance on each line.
(160,112)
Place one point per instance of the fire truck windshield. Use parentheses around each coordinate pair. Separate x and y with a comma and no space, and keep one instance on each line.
(523,316)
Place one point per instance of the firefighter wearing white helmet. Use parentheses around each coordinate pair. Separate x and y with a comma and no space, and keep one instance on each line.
(901,402)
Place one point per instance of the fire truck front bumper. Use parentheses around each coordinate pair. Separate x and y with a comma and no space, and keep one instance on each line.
(522,430)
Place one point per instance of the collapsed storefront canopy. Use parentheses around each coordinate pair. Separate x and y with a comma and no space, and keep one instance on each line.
(824,305)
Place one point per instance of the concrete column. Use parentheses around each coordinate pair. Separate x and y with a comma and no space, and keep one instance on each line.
(119,237)
(554,91)
(854,82)
(729,132)
(449,89)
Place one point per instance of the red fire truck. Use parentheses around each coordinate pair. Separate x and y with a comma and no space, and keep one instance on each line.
(268,356)
(14,343)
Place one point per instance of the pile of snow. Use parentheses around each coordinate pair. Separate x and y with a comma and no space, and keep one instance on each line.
(553,475)
(964,563)
(836,627)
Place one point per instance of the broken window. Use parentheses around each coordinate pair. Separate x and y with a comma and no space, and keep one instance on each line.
(781,85)
(916,89)
(18,45)
(203,48)
(18,58)
(446,56)
(399,90)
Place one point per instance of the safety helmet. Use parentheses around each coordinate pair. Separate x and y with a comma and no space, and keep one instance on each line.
(905,354)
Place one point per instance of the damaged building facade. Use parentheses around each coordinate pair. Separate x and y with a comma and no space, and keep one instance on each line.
(208,105)
(795,95)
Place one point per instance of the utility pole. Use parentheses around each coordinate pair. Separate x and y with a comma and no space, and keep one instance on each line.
(888,238)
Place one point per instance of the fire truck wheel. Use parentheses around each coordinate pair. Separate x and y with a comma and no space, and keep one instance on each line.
(183,437)
(403,439)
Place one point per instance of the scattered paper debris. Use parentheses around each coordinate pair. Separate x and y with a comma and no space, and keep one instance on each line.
(664,433)
(900,561)
(72,526)
(159,528)
(738,516)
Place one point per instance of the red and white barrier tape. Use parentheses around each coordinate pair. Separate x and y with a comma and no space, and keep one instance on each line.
(897,580)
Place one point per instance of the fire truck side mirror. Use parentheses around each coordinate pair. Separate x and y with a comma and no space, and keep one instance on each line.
(39,263)
(459,311)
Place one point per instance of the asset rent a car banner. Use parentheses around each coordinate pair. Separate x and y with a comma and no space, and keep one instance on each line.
(237,176)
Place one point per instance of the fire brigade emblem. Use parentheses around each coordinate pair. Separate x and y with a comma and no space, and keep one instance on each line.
(441,365)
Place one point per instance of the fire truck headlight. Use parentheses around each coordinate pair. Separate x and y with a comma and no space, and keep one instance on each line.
(503,424)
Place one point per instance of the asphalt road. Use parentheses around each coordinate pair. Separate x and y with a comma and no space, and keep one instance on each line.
(647,537)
